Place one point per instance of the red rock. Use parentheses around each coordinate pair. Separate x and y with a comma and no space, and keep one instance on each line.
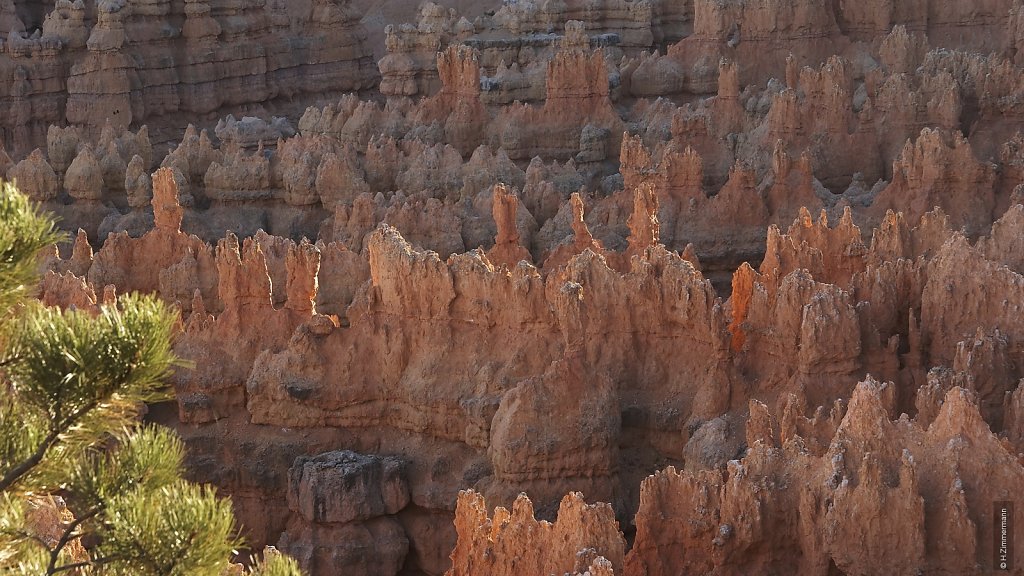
(410,273)
(514,542)
(507,250)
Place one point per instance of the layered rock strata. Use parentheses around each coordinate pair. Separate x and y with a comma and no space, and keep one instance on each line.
(753,384)
(757,293)
(131,63)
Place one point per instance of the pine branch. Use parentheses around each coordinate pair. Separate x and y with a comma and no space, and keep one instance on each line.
(15,474)
(84,563)
(67,567)
(8,361)
(67,536)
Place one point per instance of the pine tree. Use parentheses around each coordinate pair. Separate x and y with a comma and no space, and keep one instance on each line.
(71,386)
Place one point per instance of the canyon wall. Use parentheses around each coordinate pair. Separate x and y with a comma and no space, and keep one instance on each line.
(87,63)
(750,397)
(711,287)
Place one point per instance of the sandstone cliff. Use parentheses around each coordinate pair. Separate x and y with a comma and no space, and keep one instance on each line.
(130,63)
(744,275)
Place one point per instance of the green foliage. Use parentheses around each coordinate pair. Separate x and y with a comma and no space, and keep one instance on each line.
(69,361)
(19,552)
(144,459)
(276,564)
(24,232)
(22,430)
(76,376)
(71,385)
(177,530)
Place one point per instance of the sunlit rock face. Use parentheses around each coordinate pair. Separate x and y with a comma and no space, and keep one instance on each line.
(651,287)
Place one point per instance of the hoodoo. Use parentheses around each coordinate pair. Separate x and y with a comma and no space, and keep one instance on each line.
(588,288)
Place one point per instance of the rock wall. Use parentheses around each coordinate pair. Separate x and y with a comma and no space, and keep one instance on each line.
(756,292)
(157,62)
(644,364)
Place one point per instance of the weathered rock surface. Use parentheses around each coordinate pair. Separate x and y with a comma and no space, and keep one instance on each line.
(340,487)
(346,505)
(749,272)
(129,63)
(893,495)
(514,542)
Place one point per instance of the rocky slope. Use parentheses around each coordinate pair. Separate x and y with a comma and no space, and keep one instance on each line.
(745,276)
(85,63)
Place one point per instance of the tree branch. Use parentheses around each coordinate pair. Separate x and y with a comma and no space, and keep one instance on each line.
(14,474)
(51,568)
(31,462)
(83,564)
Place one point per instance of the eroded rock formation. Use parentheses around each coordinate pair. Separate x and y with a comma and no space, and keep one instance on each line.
(130,63)
(744,275)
